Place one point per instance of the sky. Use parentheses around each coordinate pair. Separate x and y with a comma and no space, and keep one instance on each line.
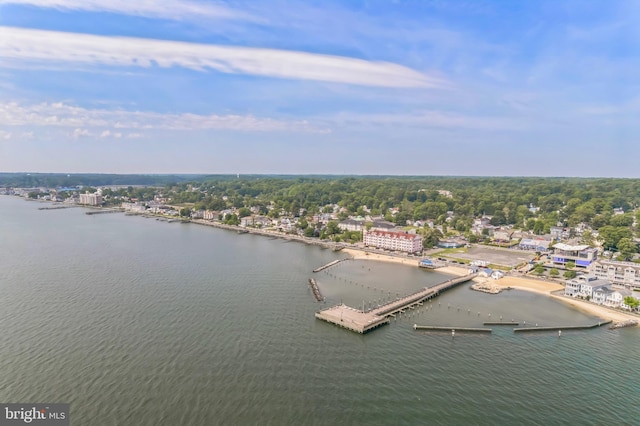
(415,87)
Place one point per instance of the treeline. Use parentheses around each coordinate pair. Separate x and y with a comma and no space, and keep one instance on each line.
(57,180)
(534,204)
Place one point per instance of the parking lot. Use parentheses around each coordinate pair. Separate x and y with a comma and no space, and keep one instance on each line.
(503,257)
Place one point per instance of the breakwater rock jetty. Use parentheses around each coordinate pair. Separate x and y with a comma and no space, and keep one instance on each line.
(622,324)
(487,287)
(315,290)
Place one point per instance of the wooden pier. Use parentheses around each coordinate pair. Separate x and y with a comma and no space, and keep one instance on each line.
(330,264)
(362,321)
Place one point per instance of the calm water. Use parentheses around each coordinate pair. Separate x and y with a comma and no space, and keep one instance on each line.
(140,322)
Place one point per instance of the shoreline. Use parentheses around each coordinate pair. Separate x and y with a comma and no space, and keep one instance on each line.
(547,288)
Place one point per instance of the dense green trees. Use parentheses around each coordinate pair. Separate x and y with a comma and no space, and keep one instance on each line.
(534,204)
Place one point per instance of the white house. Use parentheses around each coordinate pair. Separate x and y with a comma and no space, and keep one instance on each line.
(497,275)
(584,286)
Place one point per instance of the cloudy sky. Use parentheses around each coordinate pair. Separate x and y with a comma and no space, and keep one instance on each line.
(432,87)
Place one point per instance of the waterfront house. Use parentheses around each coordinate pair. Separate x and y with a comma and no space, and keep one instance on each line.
(585,286)
(497,275)
(486,273)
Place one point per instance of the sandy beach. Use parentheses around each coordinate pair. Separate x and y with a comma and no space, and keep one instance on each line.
(363,255)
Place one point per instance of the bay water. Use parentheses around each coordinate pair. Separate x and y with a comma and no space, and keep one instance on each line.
(136,321)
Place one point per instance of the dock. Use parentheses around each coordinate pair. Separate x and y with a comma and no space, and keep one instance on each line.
(561,327)
(362,321)
(452,328)
(315,290)
(330,264)
(501,323)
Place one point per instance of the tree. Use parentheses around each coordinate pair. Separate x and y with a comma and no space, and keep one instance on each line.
(569,274)
(538,270)
(538,227)
(244,212)
(333,228)
(185,212)
(631,302)
(553,272)
(587,238)
(627,247)
(431,237)
(570,265)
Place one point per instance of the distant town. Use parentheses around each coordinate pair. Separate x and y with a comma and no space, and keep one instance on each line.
(574,233)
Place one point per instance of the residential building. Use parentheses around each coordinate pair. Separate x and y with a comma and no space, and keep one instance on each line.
(389,240)
(537,244)
(351,225)
(581,255)
(382,225)
(502,236)
(584,286)
(91,199)
(626,274)
(137,207)
(559,233)
(258,221)
(210,215)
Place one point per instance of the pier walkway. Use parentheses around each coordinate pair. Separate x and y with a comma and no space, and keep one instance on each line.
(330,264)
(362,321)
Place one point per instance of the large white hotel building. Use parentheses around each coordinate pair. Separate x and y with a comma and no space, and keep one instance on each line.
(392,240)
(91,199)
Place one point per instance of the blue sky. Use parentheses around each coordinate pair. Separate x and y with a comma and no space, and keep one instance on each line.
(522,88)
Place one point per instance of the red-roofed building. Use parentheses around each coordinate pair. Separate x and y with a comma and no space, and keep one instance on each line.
(391,240)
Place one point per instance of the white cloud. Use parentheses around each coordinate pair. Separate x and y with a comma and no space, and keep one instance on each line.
(56,47)
(80,133)
(5,135)
(165,9)
(63,115)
